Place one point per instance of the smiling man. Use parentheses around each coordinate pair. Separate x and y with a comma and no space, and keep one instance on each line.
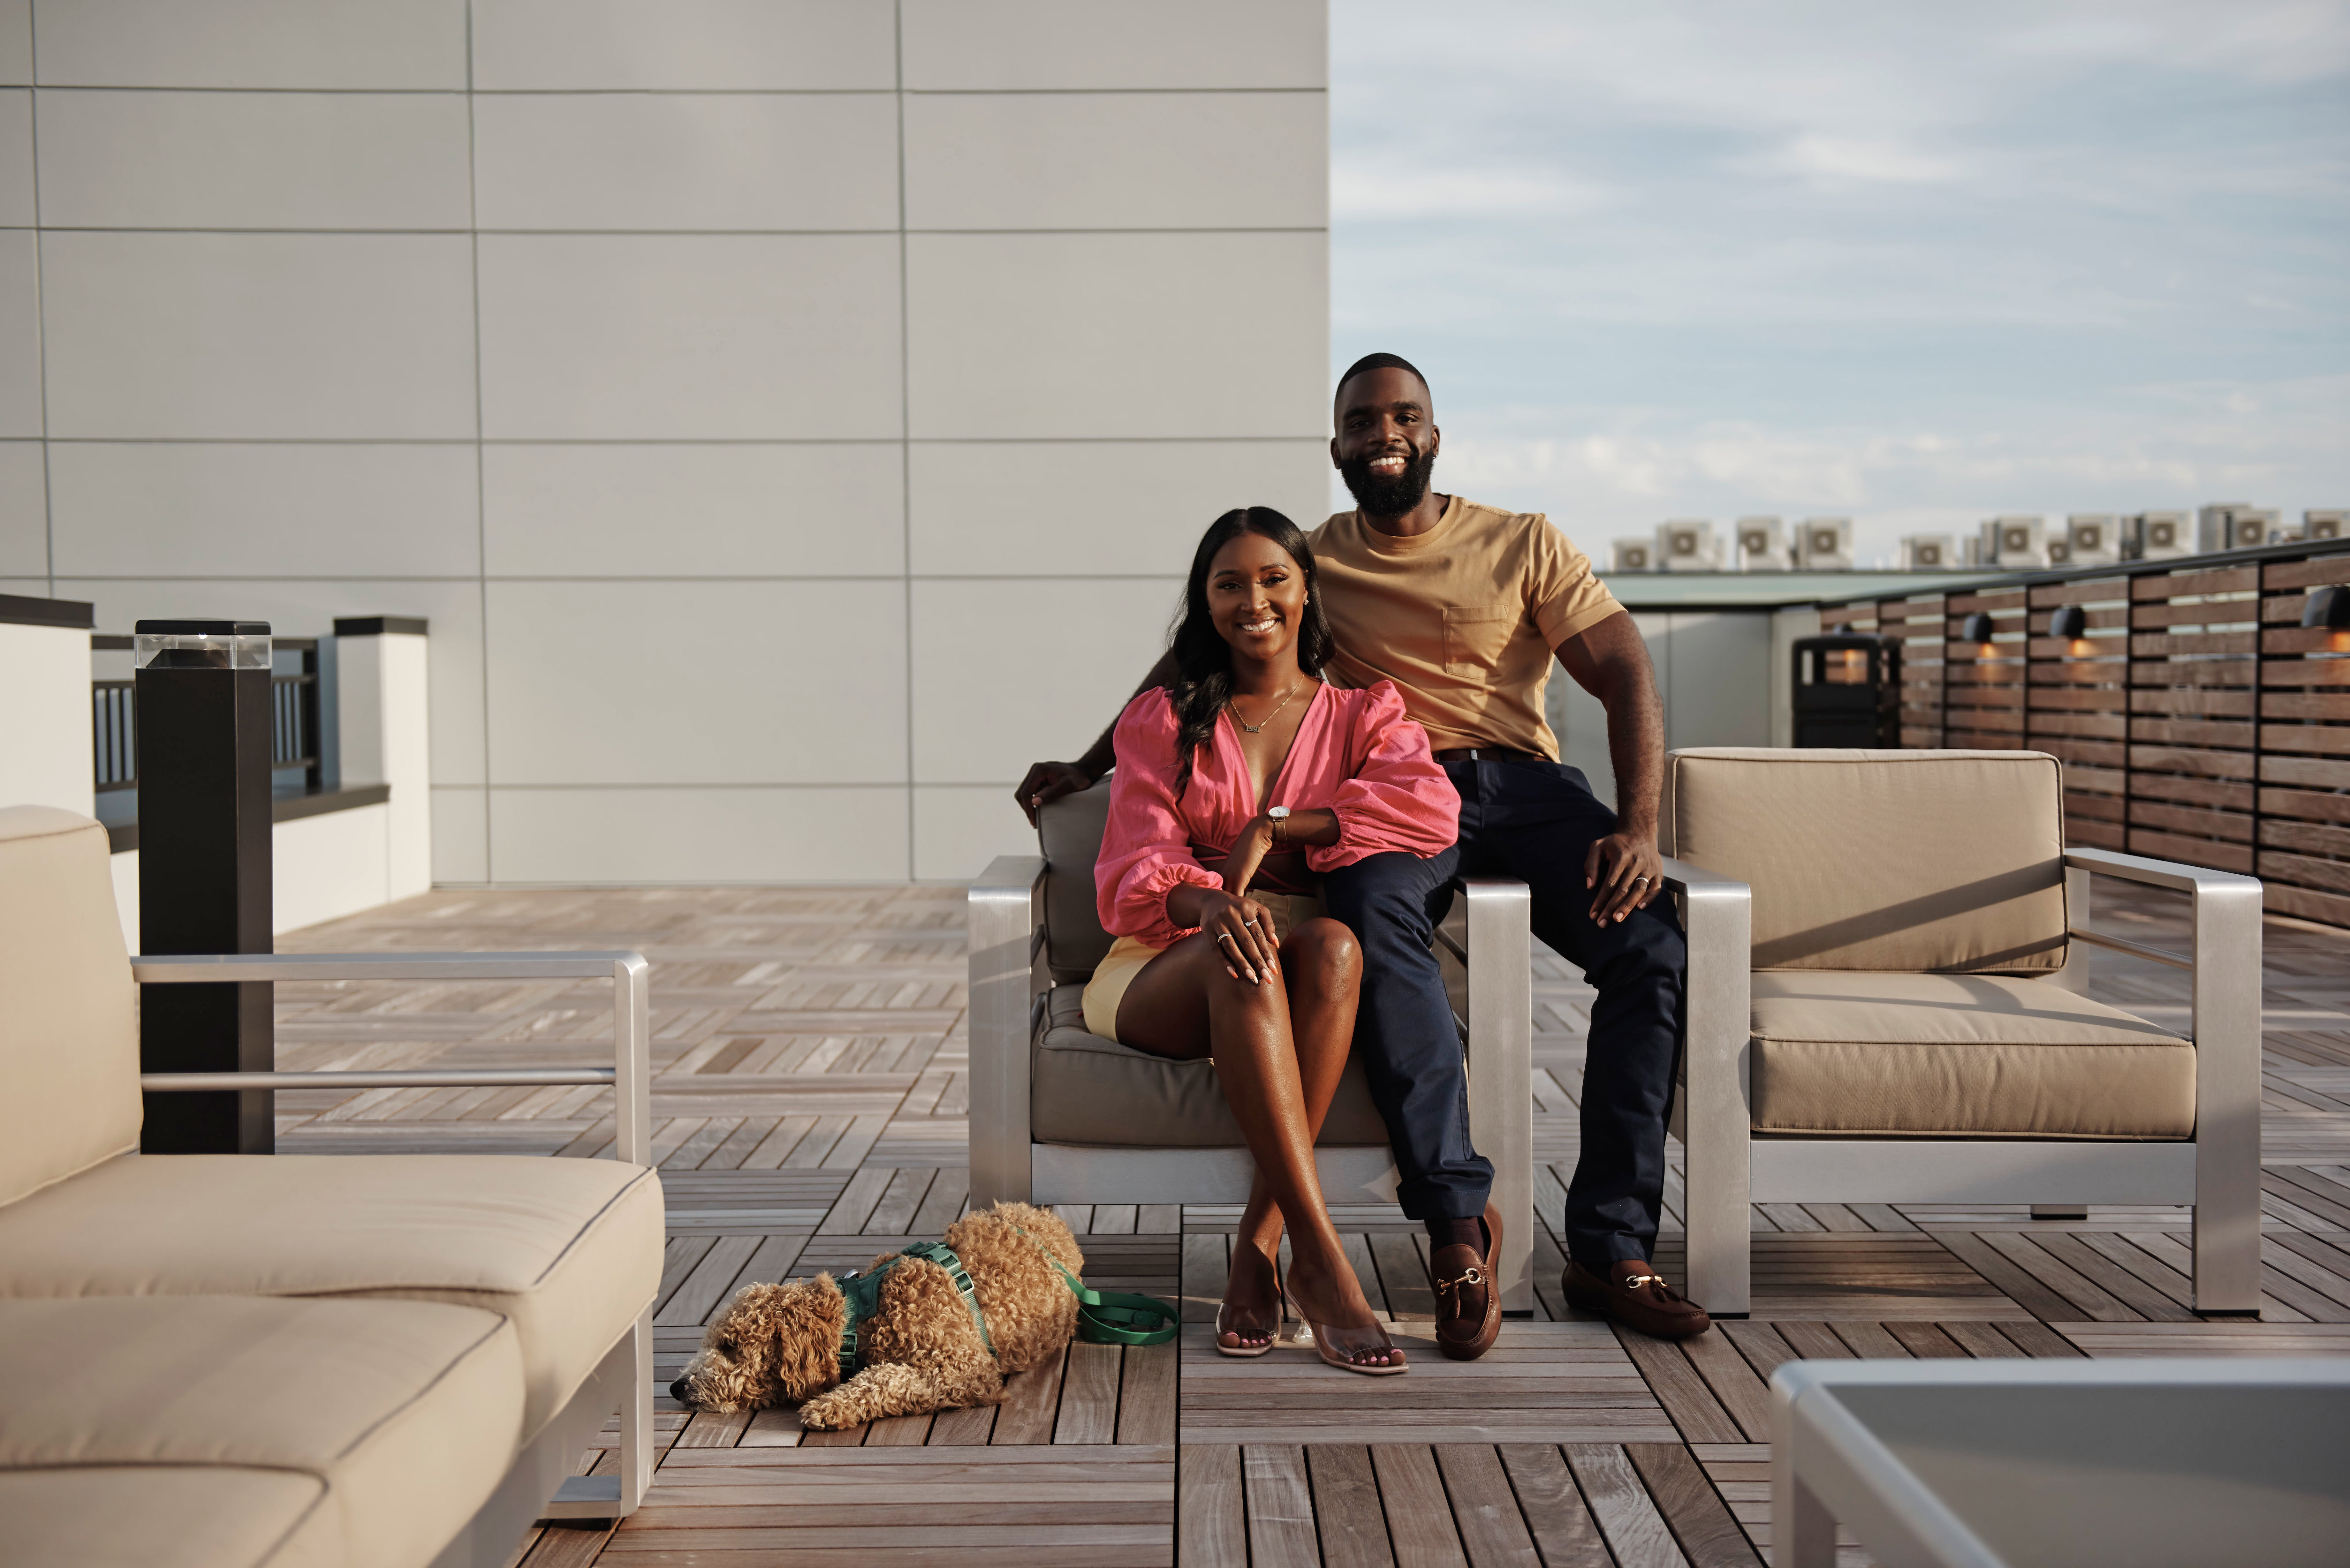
(1463,607)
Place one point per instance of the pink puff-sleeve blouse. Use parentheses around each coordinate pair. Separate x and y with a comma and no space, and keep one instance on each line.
(1357,752)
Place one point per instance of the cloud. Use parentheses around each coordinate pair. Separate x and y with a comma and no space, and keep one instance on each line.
(1896,261)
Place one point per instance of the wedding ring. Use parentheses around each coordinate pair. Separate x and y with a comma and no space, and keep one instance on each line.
(1640,881)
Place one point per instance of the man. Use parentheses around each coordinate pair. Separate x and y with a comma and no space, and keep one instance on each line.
(1463,607)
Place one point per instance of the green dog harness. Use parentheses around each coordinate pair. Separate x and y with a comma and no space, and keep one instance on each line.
(1104,1317)
(863,1293)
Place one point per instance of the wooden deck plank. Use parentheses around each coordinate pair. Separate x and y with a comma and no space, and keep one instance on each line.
(1280,1507)
(1031,1400)
(1211,1518)
(1088,1412)
(1352,1527)
(1484,1510)
(1147,1394)
(1707,1535)
(1637,1534)
(1419,1518)
(1563,1529)
(1679,1389)
(1733,1382)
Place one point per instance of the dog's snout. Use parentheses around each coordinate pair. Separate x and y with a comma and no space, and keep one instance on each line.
(679,1391)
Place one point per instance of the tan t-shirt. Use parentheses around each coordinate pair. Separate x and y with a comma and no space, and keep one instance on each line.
(1464,618)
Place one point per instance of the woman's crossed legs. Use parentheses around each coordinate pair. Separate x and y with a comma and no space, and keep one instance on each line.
(1279,1046)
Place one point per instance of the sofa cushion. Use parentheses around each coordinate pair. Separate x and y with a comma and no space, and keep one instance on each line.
(568,1249)
(162,1516)
(1070,833)
(1084,1089)
(1960,1055)
(70,1031)
(1881,860)
(398,1419)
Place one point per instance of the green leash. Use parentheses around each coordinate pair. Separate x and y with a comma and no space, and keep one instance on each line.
(1113,1318)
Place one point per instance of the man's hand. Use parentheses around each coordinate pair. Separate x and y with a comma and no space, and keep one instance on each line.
(1624,872)
(1048,782)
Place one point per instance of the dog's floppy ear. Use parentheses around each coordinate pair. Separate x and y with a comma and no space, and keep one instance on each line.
(805,1326)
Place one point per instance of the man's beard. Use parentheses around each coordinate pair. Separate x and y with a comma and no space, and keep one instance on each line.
(1384,495)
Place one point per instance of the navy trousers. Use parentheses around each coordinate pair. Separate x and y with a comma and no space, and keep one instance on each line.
(1534,822)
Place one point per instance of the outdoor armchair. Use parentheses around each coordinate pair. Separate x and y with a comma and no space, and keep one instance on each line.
(1884,1021)
(1061,1116)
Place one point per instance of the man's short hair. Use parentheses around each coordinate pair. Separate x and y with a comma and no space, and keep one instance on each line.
(1380,362)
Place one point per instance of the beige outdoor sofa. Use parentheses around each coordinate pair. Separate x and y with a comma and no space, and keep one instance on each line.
(230,1360)
(1062,1116)
(1891,1021)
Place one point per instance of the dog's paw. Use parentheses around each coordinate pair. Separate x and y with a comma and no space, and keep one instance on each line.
(829,1412)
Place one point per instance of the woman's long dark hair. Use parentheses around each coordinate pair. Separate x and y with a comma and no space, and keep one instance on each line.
(1203,659)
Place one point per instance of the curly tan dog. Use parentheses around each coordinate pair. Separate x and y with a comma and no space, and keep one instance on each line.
(919,1351)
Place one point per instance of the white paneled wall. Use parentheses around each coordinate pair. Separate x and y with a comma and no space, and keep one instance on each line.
(794,416)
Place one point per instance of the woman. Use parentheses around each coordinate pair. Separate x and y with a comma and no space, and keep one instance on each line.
(1233,790)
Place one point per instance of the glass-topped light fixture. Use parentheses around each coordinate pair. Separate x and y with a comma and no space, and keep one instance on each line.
(202,645)
(1976,628)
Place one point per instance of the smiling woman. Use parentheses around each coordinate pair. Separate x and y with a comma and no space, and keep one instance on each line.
(1237,787)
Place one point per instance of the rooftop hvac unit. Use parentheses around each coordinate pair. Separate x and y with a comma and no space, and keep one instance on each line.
(2156,536)
(1762,544)
(2060,552)
(2093,539)
(2231,525)
(1973,549)
(2324,525)
(1824,545)
(1632,555)
(1687,546)
(1929,553)
(2018,543)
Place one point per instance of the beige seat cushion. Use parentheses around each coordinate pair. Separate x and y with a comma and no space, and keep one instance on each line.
(1884,860)
(70,1031)
(1084,1089)
(570,1248)
(1960,1055)
(358,1432)
(162,1516)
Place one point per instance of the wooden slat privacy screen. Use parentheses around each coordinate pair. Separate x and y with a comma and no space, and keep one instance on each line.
(2197,719)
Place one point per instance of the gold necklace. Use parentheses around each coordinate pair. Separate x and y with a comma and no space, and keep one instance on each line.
(1234,703)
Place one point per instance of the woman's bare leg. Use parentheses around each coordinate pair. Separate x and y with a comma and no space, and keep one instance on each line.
(1258,1062)
(1323,968)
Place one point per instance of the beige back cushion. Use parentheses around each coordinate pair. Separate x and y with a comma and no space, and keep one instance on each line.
(1071,831)
(69,1015)
(1881,860)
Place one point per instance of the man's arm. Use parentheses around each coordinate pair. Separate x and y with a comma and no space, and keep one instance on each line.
(1048,782)
(1610,661)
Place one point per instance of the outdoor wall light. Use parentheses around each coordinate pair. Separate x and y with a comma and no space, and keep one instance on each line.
(1976,627)
(2070,622)
(2329,608)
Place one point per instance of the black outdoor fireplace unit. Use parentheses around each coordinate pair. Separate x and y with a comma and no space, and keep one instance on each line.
(1848,691)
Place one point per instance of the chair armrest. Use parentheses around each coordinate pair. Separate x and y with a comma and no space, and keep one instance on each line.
(1717,1017)
(630,1073)
(2225,966)
(1005,929)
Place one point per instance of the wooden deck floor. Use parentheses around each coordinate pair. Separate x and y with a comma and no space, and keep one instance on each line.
(810,1098)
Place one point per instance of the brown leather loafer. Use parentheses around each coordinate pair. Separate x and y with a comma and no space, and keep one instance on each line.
(1637,1296)
(1469,1304)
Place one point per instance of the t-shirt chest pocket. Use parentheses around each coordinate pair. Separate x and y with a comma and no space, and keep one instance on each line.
(1476,635)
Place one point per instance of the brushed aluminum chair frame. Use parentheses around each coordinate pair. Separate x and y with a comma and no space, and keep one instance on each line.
(540,1484)
(2216,1172)
(1489,939)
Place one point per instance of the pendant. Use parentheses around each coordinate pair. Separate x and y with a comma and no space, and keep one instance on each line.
(1251,729)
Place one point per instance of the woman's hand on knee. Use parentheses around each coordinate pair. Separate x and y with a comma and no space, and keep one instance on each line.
(1241,929)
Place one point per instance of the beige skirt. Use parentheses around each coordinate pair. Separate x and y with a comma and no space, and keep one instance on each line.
(1127,956)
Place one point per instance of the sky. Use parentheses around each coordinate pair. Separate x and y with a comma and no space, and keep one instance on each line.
(1914,263)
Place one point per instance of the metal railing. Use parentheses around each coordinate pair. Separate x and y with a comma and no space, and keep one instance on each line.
(294,719)
(2198,719)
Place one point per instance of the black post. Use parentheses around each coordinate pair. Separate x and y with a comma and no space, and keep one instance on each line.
(203,695)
